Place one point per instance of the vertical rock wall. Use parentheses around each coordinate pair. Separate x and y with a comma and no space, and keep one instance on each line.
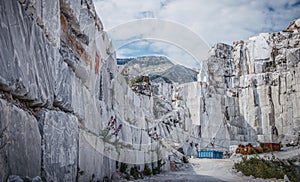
(59,133)
(252,90)
(59,89)
(56,68)
(20,144)
(268,71)
(58,74)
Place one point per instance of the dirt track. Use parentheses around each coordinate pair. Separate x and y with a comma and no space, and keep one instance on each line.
(209,170)
(206,170)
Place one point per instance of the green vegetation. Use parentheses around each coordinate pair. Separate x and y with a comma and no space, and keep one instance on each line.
(157,170)
(147,171)
(123,167)
(140,79)
(263,168)
(135,173)
(137,80)
(127,176)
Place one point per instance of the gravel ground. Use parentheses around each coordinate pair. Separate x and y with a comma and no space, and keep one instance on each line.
(206,170)
(214,170)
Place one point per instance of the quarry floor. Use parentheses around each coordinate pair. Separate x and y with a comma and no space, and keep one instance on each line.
(206,170)
(214,170)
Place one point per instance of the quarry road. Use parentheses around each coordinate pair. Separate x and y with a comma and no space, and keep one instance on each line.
(206,170)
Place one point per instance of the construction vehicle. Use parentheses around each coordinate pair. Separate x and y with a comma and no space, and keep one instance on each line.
(264,147)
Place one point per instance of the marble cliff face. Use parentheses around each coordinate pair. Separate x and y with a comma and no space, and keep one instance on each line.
(59,89)
(56,69)
(256,84)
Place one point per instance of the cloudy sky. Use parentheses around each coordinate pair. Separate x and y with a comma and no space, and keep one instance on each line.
(212,21)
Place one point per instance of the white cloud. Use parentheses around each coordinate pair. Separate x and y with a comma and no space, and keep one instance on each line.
(214,21)
(176,54)
(178,40)
(153,47)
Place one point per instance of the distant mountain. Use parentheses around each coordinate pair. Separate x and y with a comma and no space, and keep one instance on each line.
(180,74)
(146,65)
(158,68)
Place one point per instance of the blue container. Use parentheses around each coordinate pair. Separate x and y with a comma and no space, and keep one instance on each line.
(212,154)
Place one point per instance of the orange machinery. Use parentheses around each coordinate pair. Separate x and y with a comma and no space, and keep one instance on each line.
(264,147)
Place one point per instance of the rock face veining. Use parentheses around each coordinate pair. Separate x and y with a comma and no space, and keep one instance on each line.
(60,92)
(252,88)
(56,68)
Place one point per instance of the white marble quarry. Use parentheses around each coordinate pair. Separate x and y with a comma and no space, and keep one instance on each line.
(67,114)
(260,93)
(57,58)
(273,88)
(59,133)
(18,130)
(250,91)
